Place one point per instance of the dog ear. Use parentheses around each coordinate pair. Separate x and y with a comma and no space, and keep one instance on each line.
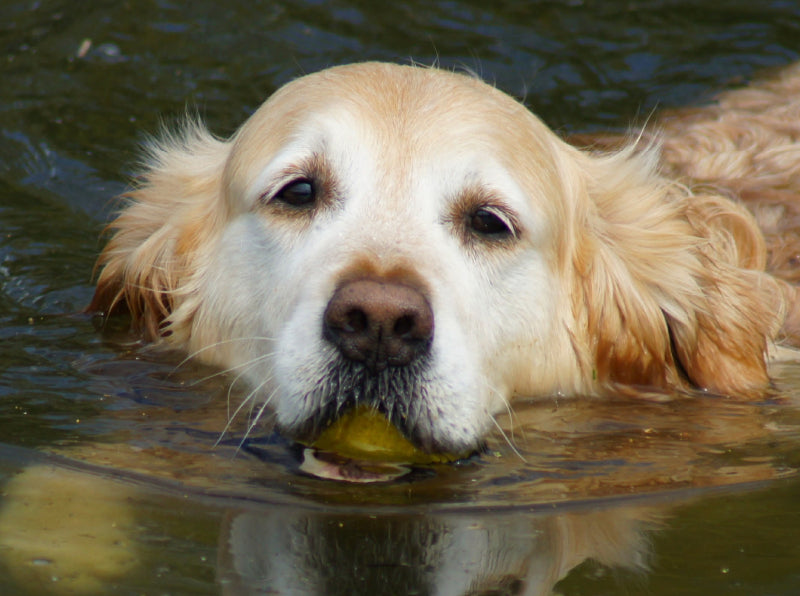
(671,287)
(159,232)
(723,343)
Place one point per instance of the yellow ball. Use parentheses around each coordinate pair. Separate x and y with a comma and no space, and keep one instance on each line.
(365,434)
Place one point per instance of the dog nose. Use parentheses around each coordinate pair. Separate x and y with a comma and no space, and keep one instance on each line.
(378,323)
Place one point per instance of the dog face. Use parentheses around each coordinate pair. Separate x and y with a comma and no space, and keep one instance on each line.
(384,248)
(417,241)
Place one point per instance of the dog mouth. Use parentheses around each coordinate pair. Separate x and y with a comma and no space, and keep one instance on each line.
(385,417)
(363,446)
(398,394)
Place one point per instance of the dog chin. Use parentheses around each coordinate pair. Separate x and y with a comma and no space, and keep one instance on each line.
(408,396)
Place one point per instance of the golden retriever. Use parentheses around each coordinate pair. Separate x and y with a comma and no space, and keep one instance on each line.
(417,241)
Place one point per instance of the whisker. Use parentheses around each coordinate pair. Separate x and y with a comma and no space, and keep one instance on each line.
(220,343)
(512,420)
(512,415)
(231,385)
(244,365)
(228,395)
(508,441)
(255,420)
(247,399)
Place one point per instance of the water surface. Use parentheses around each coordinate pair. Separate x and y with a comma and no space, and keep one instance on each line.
(116,476)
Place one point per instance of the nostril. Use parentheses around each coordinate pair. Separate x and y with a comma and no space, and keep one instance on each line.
(356,321)
(404,325)
(378,323)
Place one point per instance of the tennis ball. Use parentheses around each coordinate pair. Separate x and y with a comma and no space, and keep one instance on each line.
(363,433)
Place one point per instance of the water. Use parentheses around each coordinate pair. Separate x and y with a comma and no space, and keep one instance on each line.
(114,481)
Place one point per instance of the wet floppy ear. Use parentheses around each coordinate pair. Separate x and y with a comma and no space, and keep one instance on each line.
(722,344)
(670,285)
(628,336)
(724,348)
(632,252)
(176,203)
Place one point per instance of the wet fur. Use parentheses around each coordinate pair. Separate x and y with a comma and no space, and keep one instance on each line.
(650,267)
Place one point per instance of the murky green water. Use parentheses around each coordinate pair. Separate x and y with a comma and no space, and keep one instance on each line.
(114,481)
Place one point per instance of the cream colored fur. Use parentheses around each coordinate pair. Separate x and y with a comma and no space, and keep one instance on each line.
(618,270)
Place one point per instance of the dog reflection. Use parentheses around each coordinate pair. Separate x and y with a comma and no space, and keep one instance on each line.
(299,552)
(64,531)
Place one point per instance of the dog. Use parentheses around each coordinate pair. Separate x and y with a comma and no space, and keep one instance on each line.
(416,241)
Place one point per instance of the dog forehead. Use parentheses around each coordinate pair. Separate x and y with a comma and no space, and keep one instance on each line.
(376,169)
(400,128)
(404,107)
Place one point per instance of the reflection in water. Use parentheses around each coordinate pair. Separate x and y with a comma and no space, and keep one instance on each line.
(64,531)
(301,552)
(586,480)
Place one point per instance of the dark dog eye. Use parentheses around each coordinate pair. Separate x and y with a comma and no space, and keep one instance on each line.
(298,193)
(487,223)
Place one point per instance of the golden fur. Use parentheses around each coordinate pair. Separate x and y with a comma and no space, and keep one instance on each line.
(631,263)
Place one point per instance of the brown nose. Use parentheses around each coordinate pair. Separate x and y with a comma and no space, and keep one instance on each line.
(379,323)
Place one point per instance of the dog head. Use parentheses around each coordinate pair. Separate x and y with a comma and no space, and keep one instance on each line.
(416,241)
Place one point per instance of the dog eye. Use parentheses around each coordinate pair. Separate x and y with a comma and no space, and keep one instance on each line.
(487,223)
(298,193)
